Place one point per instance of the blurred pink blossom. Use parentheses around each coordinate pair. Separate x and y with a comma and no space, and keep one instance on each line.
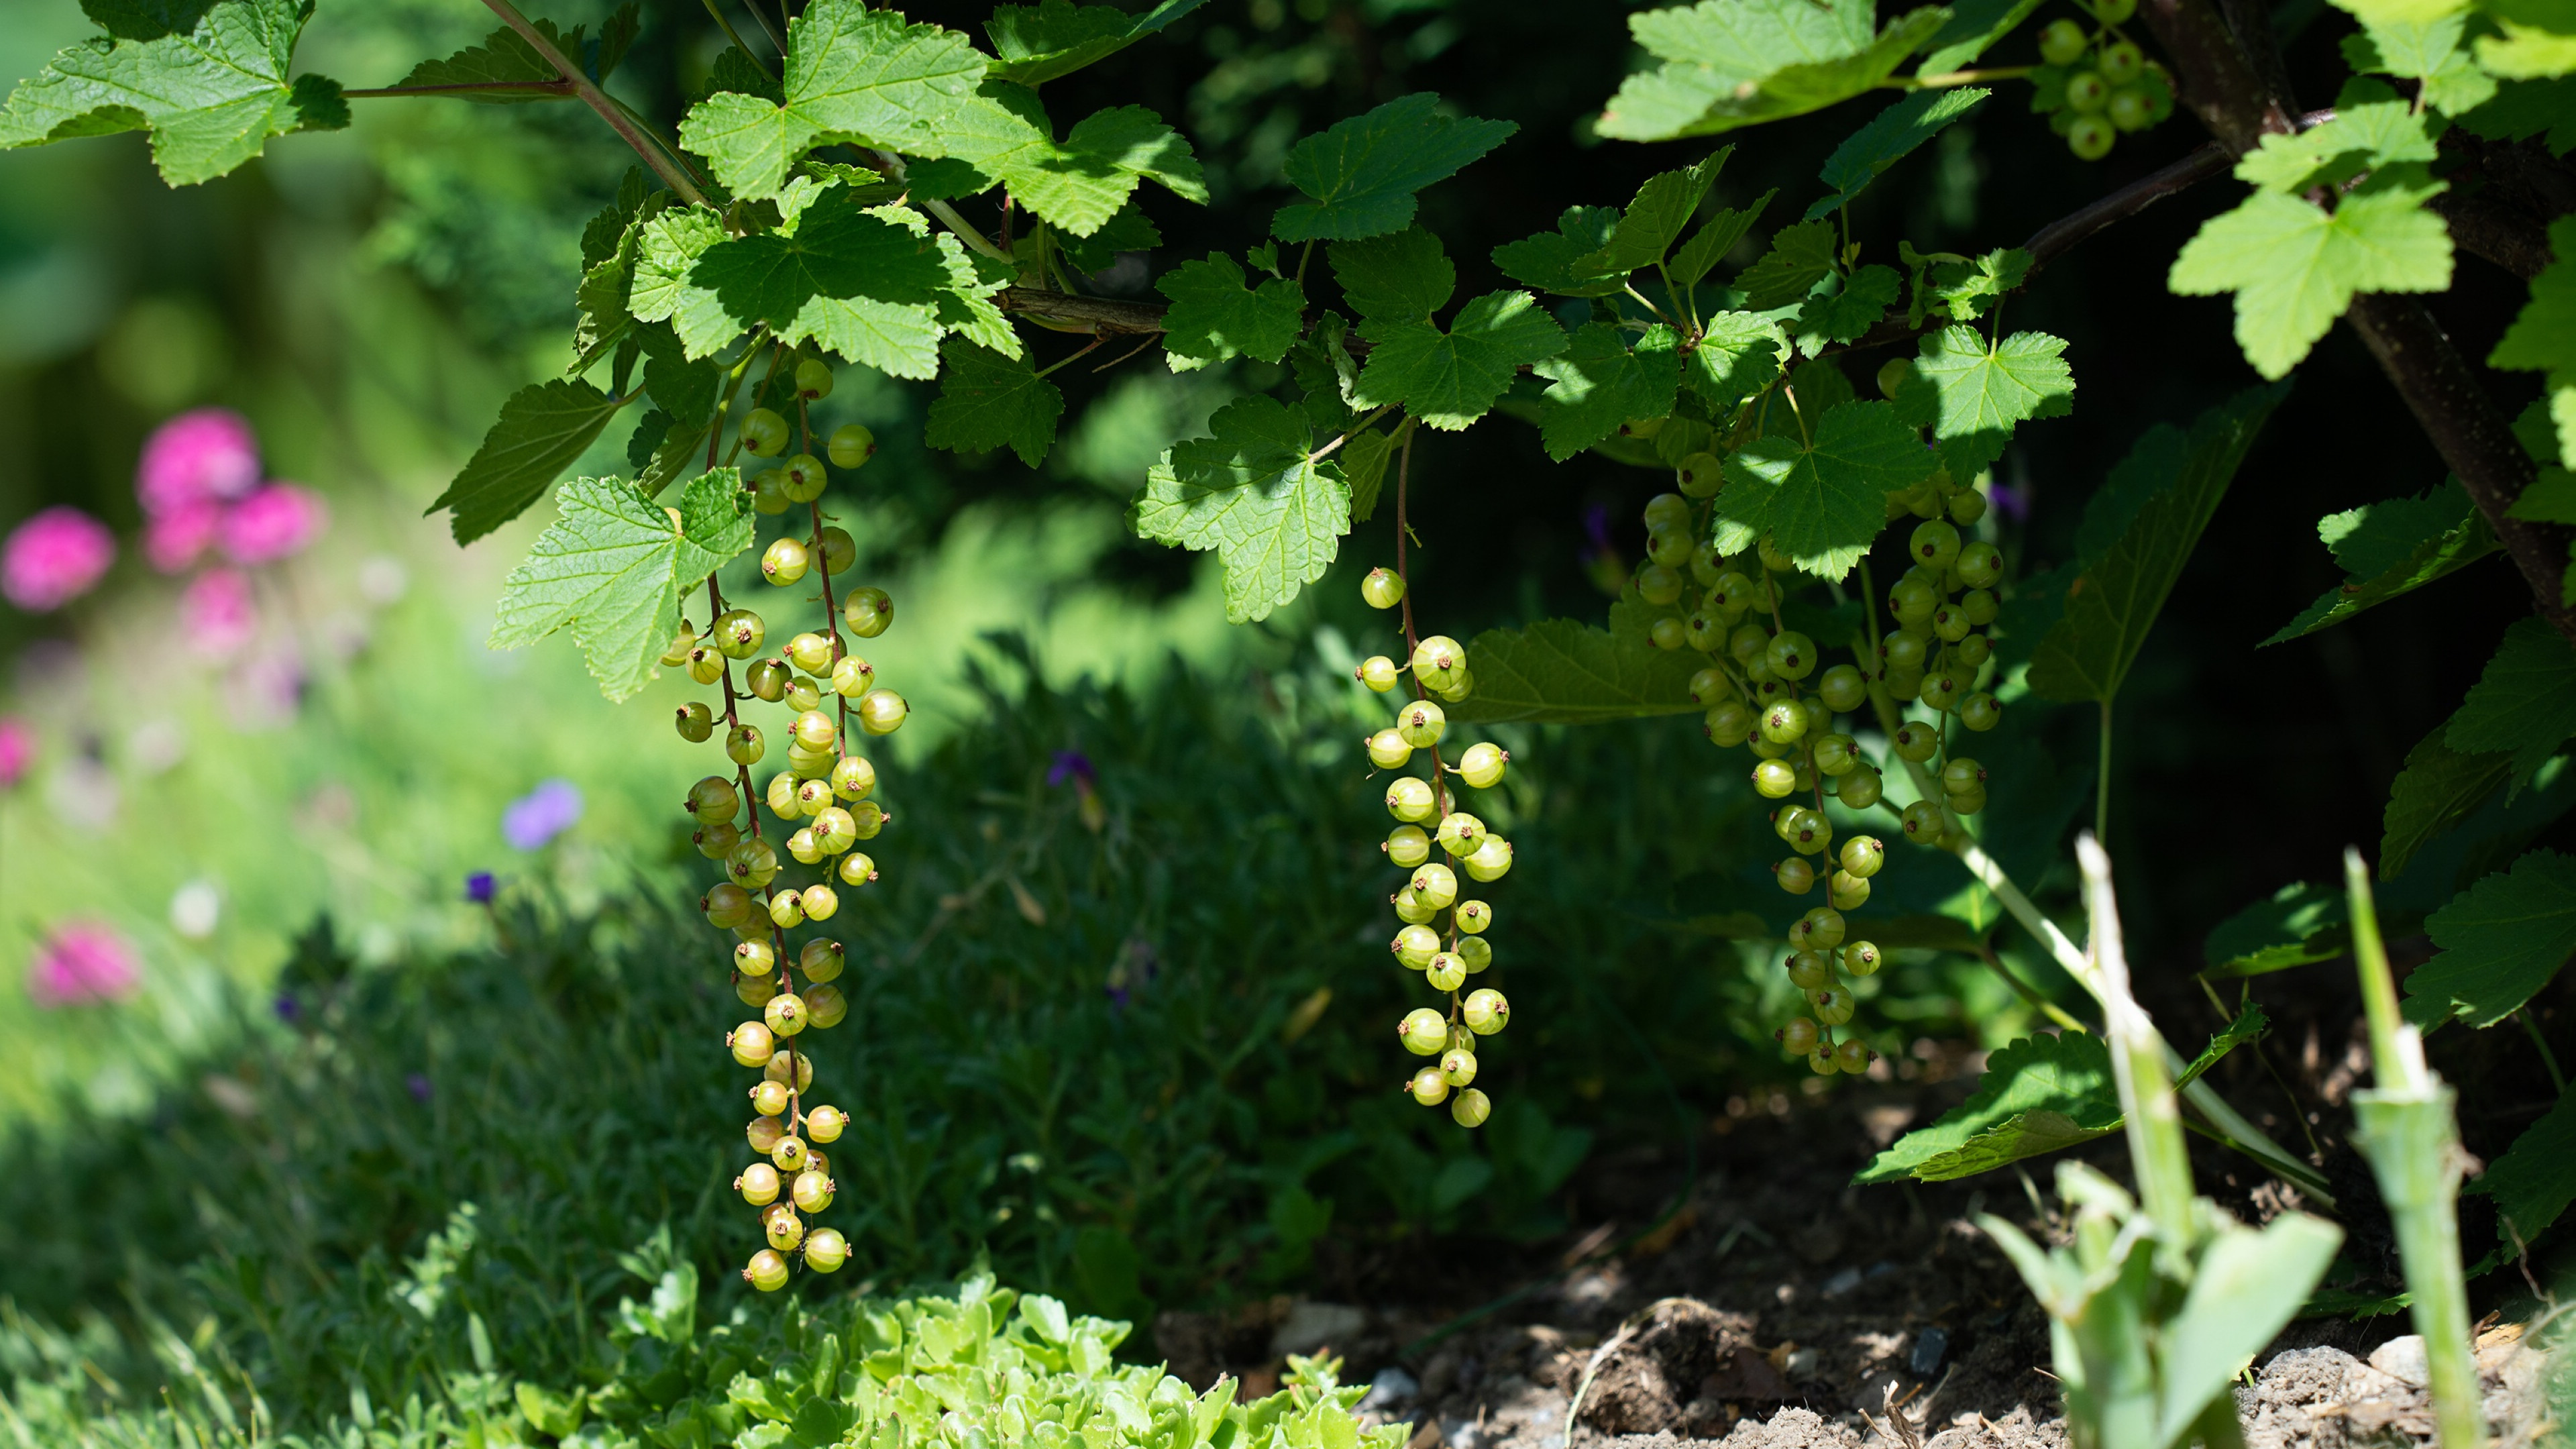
(276,521)
(17,750)
(205,456)
(216,612)
(173,540)
(82,962)
(54,558)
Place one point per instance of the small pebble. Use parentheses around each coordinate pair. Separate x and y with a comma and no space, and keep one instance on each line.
(1930,1347)
(1842,1283)
(1392,1387)
(2403,1359)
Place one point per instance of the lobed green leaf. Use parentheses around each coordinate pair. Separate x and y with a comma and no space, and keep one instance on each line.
(1448,379)
(1730,63)
(1214,316)
(2502,940)
(1823,501)
(1559,671)
(1363,172)
(1255,494)
(1890,137)
(2294,268)
(987,400)
(2524,703)
(2393,548)
(1599,383)
(542,429)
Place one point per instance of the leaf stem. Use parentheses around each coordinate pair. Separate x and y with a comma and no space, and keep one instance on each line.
(772,31)
(2102,781)
(726,26)
(1950,78)
(591,95)
(2548,1058)
(461,88)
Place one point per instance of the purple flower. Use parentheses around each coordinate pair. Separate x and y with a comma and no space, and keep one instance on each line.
(288,1009)
(205,456)
(542,814)
(1117,998)
(478,887)
(274,522)
(82,962)
(1596,526)
(1071,765)
(418,1085)
(54,558)
(17,750)
(216,613)
(2009,502)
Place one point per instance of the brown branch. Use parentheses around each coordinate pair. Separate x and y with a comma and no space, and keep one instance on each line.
(1107,314)
(592,96)
(2219,81)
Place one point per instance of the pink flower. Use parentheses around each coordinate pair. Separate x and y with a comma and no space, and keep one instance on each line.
(205,456)
(54,558)
(216,612)
(275,522)
(173,540)
(82,962)
(17,750)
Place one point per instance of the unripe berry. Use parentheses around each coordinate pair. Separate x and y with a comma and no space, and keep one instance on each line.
(868,612)
(1861,788)
(782,1227)
(1727,724)
(1470,1108)
(1409,798)
(1423,1032)
(1968,802)
(826,1250)
(1824,927)
(1407,846)
(786,908)
(714,841)
(681,644)
(1846,891)
(1458,1066)
(2089,137)
(802,478)
(853,778)
(1482,764)
(782,797)
(1700,475)
(1968,505)
(1475,952)
(769,1099)
(752,1044)
(1833,1004)
(786,1015)
(1785,722)
(813,379)
(714,800)
(1861,958)
(768,679)
(1446,971)
(1461,833)
(1382,589)
(824,1124)
(769,492)
(2061,42)
(835,829)
(1411,908)
(1791,655)
(790,1154)
(1836,755)
(1435,885)
(779,1066)
(1808,971)
(812,1192)
(755,958)
(1415,946)
(751,864)
(1774,779)
(1979,712)
(810,652)
(1437,659)
(820,961)
(1419,724)
(696,722)
(2130,109)
(851,446)
(1428,1087)
(1667,633)
(1922,823)
(804,694)
(1852,1057)
(1388,751)
(839,549)
(1941,690)
(726,906)
(1670,545)
(1485,1012)
(1707,565)
(784,562)
(1377,672)
(1491,860)
(825,1006)
(857,870)
(1795,876)
(1658,585)
(743,744)
(767,1271)
(738,633)
(1915,741)
(764,433)
(882,711)
(2120,62)
(1961,775)
(764,1134)
(1911,599)
(758,1184)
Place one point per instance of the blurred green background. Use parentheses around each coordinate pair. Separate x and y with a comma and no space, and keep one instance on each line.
(1136,1056)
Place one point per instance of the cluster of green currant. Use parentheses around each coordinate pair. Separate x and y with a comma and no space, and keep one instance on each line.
(2096,82)
(1449,952)
(1765,687)
(823,794)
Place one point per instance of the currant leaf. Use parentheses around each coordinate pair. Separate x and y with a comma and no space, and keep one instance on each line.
(1821,503)
(1560,671)
(1890,137)
(987,400)
(543,428)
(2393,548)
(1557,261)
(1363,172)
(1730,63)
(1036,43)
(1215,316)
(1599,383)
(1448,379)
(2295,268)
(1253,492)
(2524,703)
(2502,940)
(1404,277)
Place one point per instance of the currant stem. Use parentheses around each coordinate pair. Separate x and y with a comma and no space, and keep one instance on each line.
(591,96)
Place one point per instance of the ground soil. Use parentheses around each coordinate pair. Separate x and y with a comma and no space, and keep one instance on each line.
(1783,1308)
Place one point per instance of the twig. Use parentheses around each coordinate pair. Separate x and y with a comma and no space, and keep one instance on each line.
(726,26)
(461,88)
(591,95)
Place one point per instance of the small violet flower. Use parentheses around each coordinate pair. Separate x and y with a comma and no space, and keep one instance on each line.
(478,888)
(54,558)
(542,814)
(1071,765)
(418,1085)
(80,963)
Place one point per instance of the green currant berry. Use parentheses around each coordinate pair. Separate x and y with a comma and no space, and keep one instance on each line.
(822,902)
(1423,1032)
(815,730)
(839,550)
(1935,544)
(857,870)
(1968,802)
(811,652)
(1407,846)
(781,1064)
(764,433)
(738,633)
(868,818)
(752,1044)
(1846,891)
(696,722)
(751,864)
(1940,689)
(1470,1108)
(766,1271)
(825,1006)
(826,1250)
(1388,751)
(714,800)
(821,961)
(804,696)
(1808,971)
(813,379)
(782,797)
(1707,566)
(1799,1037)
(1485,1011)
(852,676)
(767,679)
(1428,1087)
(1791,655)
(2089,137)
(743,745)
(1863,855)
(1409,798)
(1842,688)
(1415,946)
(769,1099)
(1860,789)
(1852,1057)
(803,478)
(2120,63)
(2086,92)
(1482,764)
(1658,585)
(1981,607)
(784,561)
(1967,506)
(1915,740)
(1861,958)
(1377,672)
(825,1124)
(1824,927)
(786,1015)
(1458,1066)
(851,446)
(812,1192)
(681,643)
(2061,42)
(2130,109)
(1461,833)
(1705,632)
(1410,908)
(1795,876)
(868,612)
(1700,476)
(1836,755)
(765,1133)
(1437,660)
(1833,1004)
(726,906)
(786,910)
(714,840)
(1461,684)
(1728,723)
(784,1229)
(1475,951)
(1774,779)
(1980,565)
(1950,623)
(1894,374)
(1962,774)
(801,847)
(1979,712)
(1670,547)
(1732,594)
(882,711)
(1382,588)
(758,1183)
(1912,600)
(1667,633)
(769,492)
(1748,643)
(1435,885)
(1420,724)
(1903,651)
(1475,917)
(1446,972)
(1922,823)
(1785,722)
